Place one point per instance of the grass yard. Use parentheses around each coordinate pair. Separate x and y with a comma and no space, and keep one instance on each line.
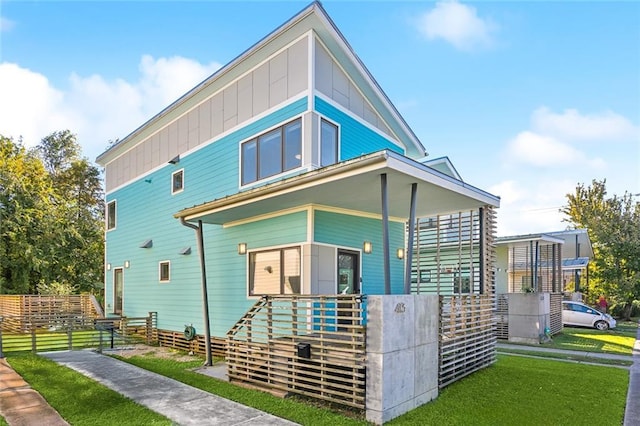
(617,341)
(80,400)
(515,389)
(528,391)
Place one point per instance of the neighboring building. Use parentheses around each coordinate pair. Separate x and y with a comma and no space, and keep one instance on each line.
(552,263)
(297,171)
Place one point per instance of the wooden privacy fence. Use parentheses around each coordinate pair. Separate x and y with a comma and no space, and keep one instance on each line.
(68,331)
(16,308)
(308,345)
(467,336)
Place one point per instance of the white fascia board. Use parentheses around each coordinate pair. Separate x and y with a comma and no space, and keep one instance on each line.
(427,174)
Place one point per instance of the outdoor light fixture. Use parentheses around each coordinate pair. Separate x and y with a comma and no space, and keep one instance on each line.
(367,247)
(185,250)
(127,264)
(174,160)
(400,253)
(242,248)
(108,266)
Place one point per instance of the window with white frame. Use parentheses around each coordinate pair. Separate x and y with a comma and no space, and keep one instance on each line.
(177,181)
(274,271)
(164,271)
(272,153)
(328,143)
(111,215)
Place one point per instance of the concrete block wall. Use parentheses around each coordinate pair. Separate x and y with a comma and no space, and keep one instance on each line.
(402,354)
(529,314)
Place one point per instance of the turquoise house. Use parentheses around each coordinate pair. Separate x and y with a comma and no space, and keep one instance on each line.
(292,168)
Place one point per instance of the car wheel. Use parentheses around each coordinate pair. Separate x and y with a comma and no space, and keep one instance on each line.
(602,325)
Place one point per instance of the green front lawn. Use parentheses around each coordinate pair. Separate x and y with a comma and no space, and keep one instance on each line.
(78,399)
(528,391)
(514,390)
(617,341)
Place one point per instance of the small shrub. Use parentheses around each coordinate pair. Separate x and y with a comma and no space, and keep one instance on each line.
(617,310)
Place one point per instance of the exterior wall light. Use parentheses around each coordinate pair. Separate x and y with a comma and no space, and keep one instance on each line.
(127,264)
(367,247)
(242,248)
(108,266)
(400,253)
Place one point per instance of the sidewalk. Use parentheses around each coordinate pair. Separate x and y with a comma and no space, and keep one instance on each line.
(22,406)
(181,403)
(632,411)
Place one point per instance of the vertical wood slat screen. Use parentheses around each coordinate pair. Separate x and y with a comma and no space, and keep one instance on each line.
(454,253)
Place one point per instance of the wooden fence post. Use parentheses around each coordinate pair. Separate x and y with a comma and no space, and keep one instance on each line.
(33,336)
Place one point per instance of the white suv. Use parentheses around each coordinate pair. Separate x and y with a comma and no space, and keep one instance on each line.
(576,313)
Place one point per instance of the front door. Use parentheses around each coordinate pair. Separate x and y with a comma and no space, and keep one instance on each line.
(118,281)
(348,272)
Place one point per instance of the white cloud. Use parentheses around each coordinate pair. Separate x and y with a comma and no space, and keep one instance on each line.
(6,25)
(541,151)
(97,110)
(508,191)
(457,24)
(573,126)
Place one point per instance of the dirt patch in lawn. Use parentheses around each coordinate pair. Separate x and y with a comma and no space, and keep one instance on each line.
(152,351)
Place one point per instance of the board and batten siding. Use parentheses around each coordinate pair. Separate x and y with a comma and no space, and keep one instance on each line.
(349,231)
(282,77)
(331,81)
(356,139)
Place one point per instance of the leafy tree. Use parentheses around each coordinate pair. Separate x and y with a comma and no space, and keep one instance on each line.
(26,211)
(80,209)
(614,228)
(51,218)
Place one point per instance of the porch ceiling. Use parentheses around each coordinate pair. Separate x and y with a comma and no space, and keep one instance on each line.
(352,185)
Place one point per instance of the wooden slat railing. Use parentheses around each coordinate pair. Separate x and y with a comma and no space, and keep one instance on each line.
(308,345)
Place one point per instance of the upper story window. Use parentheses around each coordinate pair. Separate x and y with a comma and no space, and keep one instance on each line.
(111,215)
(272,153)
(328,143)
(177,181)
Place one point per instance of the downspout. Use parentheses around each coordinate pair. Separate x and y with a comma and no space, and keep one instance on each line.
(385,234)
(205,299)
(412,230)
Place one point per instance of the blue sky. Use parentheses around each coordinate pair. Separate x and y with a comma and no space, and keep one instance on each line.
(526,98)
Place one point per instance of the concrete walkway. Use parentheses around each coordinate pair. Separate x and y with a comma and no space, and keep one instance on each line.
(22,406)
(632,412)
(181,403)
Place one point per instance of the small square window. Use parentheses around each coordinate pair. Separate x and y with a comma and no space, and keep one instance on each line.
(177,181)
(165,271)
(111,215)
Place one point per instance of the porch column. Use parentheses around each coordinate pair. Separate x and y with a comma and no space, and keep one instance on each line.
(385,234)
(412,228)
